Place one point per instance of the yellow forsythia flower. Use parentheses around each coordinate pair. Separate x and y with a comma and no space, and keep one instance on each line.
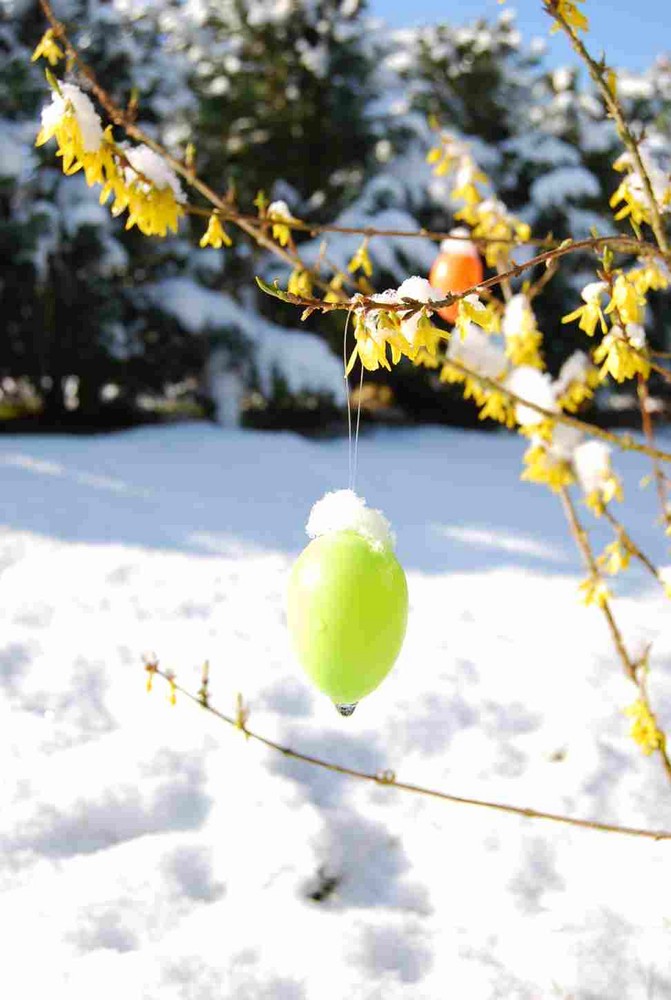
(594,591)
(300,283)
(621,354)
(644,729)
(361,261)
(615,557)
(279,214)
(627,300)
(215,235)
(543,467)
(590,314)
(48,49)
(568,10)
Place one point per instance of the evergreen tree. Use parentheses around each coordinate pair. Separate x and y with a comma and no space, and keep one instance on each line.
(284,97)
(71,296)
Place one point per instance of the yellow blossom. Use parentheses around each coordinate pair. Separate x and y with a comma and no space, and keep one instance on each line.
(649,277)
(63,125)
(591,313)
(542,467)
(155,211)
(215,235)
(594,591)
(373,330)
(491,221)
(615,557)
(644,729)
(523,348)
(576,392)
(471,310)
(620,358)
(334,293)
(626,301)
(497,406)
(633,205)
(300,283)
(609,489)
(47,48)
(492,405)
(424,359)
(361,261)
(426,339)
(279,214)
(569,12)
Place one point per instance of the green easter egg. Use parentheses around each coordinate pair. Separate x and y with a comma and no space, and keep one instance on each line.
(347,613)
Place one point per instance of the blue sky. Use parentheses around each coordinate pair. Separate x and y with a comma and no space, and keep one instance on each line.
(632,32)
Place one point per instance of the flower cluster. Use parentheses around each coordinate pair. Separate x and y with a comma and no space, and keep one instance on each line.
(622,352)
(488,217)
(631,194)
(138,179)
(408,333)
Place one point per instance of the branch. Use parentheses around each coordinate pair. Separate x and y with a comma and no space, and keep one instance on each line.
(597,72)
(634,671)
(621,244)
(250,224)
(629,543)
(388,777)
(625,441)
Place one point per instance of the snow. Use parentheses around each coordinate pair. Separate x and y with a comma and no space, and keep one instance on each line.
(16,154)
(150,851)
(343,510)
(154,168)
(575,369)
(279,210)
(477,351)
(458,244)
(563,184)
(592,462)
(420,290)
(84,111)
(593,291)
(518,316)
(535,387)
(303,360)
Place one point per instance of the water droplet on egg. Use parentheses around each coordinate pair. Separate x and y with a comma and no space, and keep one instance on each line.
(347,709)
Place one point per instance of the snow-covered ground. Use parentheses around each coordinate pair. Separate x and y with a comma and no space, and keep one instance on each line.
(151,853)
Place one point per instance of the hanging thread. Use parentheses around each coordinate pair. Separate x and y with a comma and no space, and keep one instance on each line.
(356,433)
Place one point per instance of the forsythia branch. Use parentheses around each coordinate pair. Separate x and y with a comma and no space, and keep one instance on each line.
(635,671)
(387,777)
(598,73)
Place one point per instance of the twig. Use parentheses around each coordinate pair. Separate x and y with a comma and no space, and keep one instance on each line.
(631,545)
(251,224)
(388,778)
(622,244)
(646,419)
(582,541)
(631,668)
(623,441)
(597,72)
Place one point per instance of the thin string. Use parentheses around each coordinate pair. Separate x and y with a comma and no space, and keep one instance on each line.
(356,435)
(349,405)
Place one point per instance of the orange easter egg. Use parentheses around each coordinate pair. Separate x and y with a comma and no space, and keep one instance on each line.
(457,267)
